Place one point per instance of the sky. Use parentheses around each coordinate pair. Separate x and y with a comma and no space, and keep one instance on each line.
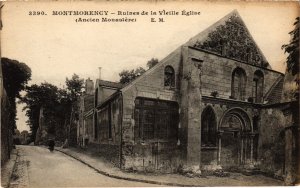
(55,46)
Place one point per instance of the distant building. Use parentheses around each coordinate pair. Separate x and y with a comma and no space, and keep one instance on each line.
(211,102)
(41,133)
(24,137)
(21,137)
(17,137)
(86,108)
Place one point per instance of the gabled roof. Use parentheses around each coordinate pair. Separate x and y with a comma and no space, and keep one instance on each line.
(201,38)
(234,34)
(110,84)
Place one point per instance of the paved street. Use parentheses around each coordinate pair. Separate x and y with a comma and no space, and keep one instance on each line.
(37,167)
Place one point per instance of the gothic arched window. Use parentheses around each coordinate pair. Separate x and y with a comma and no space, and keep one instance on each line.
(208,127)
(169,77)
(258,86)
(238,84)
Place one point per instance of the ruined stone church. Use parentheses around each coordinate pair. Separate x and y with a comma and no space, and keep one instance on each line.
(211,102)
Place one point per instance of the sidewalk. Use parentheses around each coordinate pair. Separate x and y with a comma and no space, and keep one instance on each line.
(8,168)
(235,179)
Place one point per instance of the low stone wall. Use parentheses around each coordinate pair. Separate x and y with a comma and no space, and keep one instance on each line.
(209,156)
(109,152)
(151,157)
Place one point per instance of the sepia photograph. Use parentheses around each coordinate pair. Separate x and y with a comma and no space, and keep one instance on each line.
(149,93)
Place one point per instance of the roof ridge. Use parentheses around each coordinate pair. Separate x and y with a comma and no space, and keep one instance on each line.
(109,83)
(206,31)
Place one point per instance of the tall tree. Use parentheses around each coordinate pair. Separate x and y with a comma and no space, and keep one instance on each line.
(46,96)
(127,76)
(15,77)
(293,50)
(59,107)
(152,62)
(291,131)
(74,86)
(74,90)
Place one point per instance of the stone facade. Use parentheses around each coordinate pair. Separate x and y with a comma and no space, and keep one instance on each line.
(206,105)
(6,132)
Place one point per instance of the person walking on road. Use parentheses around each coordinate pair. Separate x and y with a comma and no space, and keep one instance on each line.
(51,145)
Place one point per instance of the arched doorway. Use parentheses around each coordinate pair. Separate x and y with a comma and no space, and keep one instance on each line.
(235,139)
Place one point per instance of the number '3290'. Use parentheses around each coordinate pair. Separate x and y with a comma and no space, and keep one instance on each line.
(36,13)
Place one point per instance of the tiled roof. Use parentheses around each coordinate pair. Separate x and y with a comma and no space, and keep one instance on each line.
(110,84)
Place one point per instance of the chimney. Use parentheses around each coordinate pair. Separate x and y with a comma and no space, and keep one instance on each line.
(89,86)
(99,72)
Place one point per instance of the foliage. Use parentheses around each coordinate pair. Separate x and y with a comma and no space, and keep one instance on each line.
(293,50)
(58,105)
(151,63)
(15,77)
(46,96)
(250,99)
(74,90)
(127,76)
(74,86)
(233,40)
(214,93)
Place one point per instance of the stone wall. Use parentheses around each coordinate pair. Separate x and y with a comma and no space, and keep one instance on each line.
(104,93)
(89,126)
(271,143)
(217,73)
(6,132)
(149,156)
(191,107)
(116,118)
(209,156)
(279,144)
(109,152)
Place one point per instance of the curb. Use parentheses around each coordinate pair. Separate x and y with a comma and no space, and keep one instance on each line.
(14,167)
(126,178)
(13,159)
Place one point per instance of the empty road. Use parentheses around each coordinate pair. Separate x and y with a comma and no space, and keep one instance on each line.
(37,167)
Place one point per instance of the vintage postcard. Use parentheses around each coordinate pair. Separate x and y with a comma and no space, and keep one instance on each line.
(149,93)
